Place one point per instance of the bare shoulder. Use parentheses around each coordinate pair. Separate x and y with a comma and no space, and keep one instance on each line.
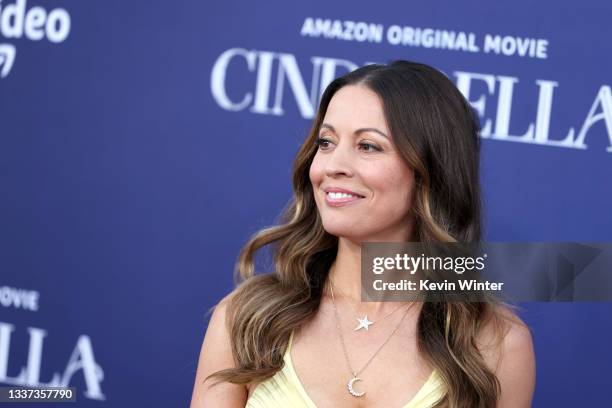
(506,345)
(216,354)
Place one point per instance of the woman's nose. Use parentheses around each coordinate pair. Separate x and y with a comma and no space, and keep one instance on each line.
(339,161)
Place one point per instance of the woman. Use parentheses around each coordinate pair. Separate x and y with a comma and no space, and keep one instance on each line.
(392,157)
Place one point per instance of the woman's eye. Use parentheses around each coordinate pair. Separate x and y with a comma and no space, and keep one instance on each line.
(370,147)
(322,143)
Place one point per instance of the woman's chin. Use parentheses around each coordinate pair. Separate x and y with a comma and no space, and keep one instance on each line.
(343,231)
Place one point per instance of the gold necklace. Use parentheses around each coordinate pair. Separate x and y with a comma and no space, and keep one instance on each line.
(355,373)
(364,322)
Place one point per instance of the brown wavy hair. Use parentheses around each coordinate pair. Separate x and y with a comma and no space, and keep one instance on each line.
(436,132)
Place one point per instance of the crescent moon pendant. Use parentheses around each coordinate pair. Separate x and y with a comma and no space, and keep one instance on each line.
(351,390)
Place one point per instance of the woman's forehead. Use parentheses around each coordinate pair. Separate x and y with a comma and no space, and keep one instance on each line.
(355,106)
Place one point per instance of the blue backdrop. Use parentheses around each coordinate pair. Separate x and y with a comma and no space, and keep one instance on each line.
(143,142)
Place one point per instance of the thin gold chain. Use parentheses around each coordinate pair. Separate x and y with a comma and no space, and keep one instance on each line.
(358,314)
(356,373)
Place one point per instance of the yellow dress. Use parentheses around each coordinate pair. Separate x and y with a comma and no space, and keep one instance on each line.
(284,390)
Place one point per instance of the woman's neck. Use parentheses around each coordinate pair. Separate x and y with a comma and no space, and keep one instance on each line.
(345,272)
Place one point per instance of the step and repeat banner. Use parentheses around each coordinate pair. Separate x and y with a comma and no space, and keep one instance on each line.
(143,142)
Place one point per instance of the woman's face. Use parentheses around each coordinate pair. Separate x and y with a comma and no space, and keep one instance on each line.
(356,155)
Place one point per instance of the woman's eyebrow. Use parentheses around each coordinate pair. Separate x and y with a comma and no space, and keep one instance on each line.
(358,131)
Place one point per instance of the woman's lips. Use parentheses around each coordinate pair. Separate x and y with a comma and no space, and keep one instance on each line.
(340,199)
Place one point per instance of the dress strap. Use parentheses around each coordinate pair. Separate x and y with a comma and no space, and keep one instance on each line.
(290,341)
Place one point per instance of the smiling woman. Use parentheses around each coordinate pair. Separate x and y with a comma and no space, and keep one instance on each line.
(364,161)
(392,156)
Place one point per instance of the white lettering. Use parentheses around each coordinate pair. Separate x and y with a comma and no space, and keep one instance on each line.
(342,30)
(603,98)
(58,25)
(324,70)
(17,21)
(82,358)
(19,298)
(464,81)
(509,45)
(217,78)
(34,22)
(288,67)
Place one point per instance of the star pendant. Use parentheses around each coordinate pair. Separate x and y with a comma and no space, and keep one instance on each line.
(363,323)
